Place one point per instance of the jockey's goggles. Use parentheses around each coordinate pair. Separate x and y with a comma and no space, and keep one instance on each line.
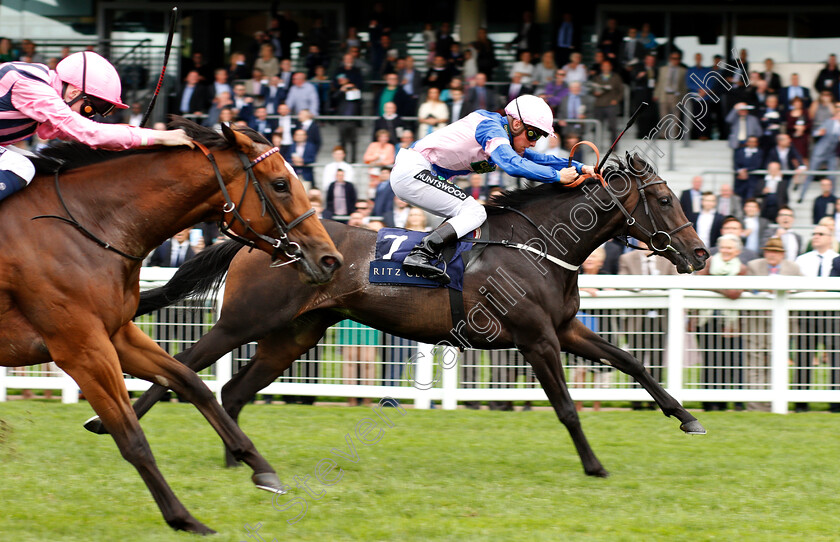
(533,134)
(93,105)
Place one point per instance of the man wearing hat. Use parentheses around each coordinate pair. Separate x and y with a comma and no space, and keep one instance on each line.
(757,329)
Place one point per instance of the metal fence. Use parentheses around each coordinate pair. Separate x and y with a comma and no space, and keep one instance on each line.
(778,343)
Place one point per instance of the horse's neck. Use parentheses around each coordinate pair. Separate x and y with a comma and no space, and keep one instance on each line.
(571,228)
(149,199)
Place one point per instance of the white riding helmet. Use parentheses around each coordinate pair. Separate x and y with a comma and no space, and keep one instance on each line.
(533,111)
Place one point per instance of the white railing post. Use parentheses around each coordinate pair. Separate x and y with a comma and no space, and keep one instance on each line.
(224,372)
(423,380)
(450,379)
(3,383)
(69,389)
(676,342)
(779,355)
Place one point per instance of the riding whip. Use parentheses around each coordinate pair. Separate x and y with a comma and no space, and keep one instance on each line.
(629,124)
(172,21)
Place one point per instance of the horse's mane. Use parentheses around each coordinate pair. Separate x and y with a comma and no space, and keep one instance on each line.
(519,197)
(72,155)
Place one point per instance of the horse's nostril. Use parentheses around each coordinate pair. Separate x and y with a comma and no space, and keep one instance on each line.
(701,253)
(330,262)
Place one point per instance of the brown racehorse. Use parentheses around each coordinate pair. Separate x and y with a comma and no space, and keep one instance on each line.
(537,315)
(65,298)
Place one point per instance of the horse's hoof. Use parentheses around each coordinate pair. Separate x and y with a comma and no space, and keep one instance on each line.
(192,525)
(600,473)
(693,427)
(269,481)
(95,425)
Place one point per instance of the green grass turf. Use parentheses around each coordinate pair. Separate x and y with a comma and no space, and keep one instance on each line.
(437,475)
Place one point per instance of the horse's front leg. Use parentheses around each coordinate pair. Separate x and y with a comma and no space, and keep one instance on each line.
(577,339)
(142,357)
(544,357)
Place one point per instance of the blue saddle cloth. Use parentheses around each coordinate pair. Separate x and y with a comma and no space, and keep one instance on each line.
(394,244)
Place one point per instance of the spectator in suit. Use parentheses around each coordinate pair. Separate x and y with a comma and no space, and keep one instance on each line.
(350,71)
(383,199)
(195,63)
(772,190)
(708,221)
(301,154)
(242,103)
(742,125)
(610,41)
(755,226)
(347,101)
(262,124)
(395,94)
(220,83)
(632,53)
(516,88)
(817,327)
(341,197)
(390,121)
(439,74)
(254,85)
(443,39)
(795,90)
(729,203)
(307,123)
(789,158)
(302,95)
(544,72)
(757,330)
(220,102)
(825,149)
(783,230)
(339,162)
(826,202)
(645,329)
(748,158)
(238,69)
(774,82)
(274,94)
(566,40)
(691,199)
(480,96)
(194,98)
(642,85)
(173,252)
(456,107)
(285,125)
(829,78)
(485,51)
(771,119)
(608,90)
(696,79)
(670,85)
(528,36)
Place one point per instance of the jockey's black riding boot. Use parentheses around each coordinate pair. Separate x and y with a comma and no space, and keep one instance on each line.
(419,260)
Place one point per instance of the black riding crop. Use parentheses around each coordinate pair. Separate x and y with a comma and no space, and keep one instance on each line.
(172,21)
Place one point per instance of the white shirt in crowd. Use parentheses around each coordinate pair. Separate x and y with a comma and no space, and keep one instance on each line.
(814,264)
(704,227)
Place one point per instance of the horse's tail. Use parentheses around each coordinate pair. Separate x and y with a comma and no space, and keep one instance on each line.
(199,276)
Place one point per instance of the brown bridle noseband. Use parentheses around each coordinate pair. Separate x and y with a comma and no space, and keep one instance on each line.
(658,240)
(283,246)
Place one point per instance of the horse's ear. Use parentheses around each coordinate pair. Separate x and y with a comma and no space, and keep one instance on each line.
(636,164)
(236,139)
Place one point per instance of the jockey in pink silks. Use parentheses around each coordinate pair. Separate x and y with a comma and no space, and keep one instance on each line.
(59,104)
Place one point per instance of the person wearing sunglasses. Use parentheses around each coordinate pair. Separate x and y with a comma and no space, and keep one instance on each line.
(478,143)
(60,104)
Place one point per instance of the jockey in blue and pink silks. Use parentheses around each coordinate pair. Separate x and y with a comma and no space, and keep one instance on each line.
(478,143)
(59,104)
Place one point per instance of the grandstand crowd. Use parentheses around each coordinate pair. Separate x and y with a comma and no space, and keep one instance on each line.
(778,128)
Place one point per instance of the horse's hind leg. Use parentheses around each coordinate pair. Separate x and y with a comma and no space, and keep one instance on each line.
(580,340)
(544,357)
(96,370)
(143,358)
(275,353)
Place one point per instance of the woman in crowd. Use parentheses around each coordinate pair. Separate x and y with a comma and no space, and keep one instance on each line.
(798,124)
(432,114)
(379,153)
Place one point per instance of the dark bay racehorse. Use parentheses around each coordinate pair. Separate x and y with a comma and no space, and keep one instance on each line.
(537,316)
(66,298)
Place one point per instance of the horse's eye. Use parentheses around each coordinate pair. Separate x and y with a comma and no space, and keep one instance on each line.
(280,185)
(664,201)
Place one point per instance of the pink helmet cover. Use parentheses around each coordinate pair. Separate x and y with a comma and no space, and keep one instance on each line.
(100,77)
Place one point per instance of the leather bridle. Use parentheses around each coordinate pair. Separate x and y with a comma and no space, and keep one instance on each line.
(283,246)
(658,240)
